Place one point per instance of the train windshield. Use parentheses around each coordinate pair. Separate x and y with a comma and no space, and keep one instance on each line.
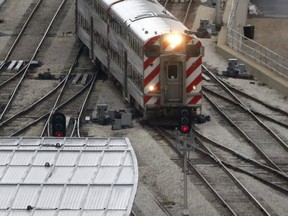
(172,72)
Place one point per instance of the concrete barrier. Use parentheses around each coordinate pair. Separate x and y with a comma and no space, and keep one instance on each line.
(270,78)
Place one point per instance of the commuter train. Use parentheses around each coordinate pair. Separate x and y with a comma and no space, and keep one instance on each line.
(142,46)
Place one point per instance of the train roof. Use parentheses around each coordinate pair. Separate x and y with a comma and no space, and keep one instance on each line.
(67,176)
(145,18)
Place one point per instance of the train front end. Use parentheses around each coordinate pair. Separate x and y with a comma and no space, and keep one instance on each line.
(172,73)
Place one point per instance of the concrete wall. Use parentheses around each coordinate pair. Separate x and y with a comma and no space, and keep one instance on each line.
(270,78)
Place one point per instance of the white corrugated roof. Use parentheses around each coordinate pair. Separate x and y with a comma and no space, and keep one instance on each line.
(69,176)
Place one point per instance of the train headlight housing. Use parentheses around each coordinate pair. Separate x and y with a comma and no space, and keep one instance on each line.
(173,41)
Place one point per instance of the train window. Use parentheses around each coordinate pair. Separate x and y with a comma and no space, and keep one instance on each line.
(132,42)
(152,51)
(100,40)
(129,70)
(117,27)
(172,72)
(193,50)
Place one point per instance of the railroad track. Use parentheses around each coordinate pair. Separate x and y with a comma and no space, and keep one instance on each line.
(30,38)
(34,30)
(184,11)
(66,97)
(233,198)
(242,163)
(261,109)
(268,145)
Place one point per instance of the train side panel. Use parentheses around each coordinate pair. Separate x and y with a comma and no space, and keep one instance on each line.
(130,39)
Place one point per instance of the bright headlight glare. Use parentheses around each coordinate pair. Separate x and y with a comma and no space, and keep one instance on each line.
(151,88)
(174,40)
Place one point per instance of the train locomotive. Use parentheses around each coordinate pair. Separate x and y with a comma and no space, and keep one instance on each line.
(142,46)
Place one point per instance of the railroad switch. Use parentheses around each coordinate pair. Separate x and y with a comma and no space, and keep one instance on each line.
(118,119)
(236,70)
(46,76)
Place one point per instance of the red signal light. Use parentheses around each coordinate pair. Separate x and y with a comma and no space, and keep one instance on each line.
(184,128)
(59,134)
(58,125)
(184,120)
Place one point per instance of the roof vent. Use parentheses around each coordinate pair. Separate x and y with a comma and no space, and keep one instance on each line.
(29,208)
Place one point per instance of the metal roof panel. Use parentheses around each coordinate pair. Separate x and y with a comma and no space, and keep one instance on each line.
(7,193)
(26,195)
(106,175)
(60,175)
(90,158)
(50,197)
(84,175)
(76,176)
(43,157)
(14,174)
(74,197)
(37,175)
(98,197)
(5,157)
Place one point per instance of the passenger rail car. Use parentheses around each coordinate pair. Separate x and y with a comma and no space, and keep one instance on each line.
(154,57)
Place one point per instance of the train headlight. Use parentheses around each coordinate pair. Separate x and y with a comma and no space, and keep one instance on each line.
(174,40)
(152,88)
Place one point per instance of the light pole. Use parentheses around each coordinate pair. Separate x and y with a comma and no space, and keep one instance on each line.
(218,14)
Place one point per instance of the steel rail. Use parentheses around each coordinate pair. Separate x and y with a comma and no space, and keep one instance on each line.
(31,106)
(61,92)
(234,178)
(13,77)
(53,110)
(218,196)
(281,175)
(276,109)
(20,33)
(239,155)
(84,104)
(269,161)
(262,124)
(48,113)
(226,170)
(252,110)
(32,58)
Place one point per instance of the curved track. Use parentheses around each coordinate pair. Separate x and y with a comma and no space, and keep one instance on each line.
(66,99)
(264,140)
(233,198)
(31,45)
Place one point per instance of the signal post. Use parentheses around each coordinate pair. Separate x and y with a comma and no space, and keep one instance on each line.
(58,124)
(185,142)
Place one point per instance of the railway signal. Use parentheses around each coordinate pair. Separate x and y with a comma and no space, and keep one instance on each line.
(184,120)
(58,125)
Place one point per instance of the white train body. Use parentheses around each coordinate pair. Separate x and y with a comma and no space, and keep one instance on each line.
(146,49)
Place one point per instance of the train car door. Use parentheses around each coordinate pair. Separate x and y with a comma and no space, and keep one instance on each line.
(172,81)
